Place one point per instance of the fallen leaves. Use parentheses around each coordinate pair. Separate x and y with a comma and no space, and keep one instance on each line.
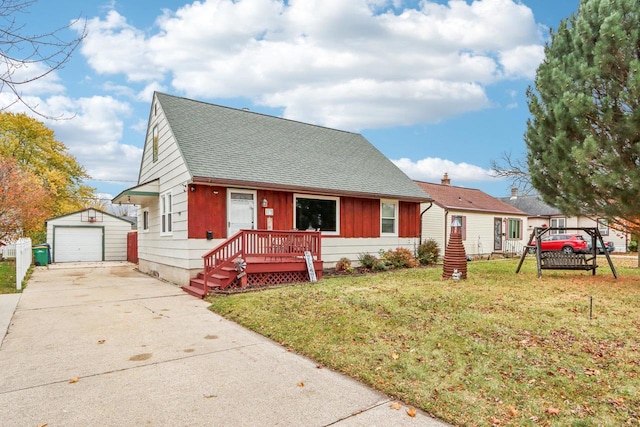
(101,341)
(300,384)
(552,411)
(411,411)
(591,372)
(74,380)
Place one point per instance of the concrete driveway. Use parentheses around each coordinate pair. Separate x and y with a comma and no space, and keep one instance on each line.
(104,345)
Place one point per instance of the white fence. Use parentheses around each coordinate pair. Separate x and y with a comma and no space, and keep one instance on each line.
(23,260)
(8,251)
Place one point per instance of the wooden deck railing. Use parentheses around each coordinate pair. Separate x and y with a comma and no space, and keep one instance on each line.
(270,245)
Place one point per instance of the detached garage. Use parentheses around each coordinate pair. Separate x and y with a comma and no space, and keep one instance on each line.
(88,235)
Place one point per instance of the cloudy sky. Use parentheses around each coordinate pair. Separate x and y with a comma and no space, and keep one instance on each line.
(436,85)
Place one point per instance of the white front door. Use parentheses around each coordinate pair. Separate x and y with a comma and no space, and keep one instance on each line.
(242,211)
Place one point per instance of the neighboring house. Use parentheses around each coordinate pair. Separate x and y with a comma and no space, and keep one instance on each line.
(208,171)
(489,225)
(541,214)
(88,235)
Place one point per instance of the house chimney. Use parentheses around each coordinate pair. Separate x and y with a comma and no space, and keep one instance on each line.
(514,193)
(445,179)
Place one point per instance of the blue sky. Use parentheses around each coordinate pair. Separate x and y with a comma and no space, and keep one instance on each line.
(436,86)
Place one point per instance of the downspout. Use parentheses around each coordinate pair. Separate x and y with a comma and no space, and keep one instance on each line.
(422,213)
(446,222)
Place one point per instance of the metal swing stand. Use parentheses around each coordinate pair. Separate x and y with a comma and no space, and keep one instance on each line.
(558,260)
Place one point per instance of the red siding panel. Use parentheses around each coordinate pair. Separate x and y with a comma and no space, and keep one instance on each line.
(207,208)
(359,217)
(282,205)
(409,219)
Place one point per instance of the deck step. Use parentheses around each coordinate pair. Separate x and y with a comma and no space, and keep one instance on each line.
(196,286)
(195,291)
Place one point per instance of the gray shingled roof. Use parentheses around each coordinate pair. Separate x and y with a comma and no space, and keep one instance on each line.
(532,205)
(223,143)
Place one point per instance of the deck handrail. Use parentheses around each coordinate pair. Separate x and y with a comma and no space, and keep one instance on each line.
(267,243)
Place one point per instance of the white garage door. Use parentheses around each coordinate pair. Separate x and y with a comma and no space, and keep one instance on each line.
(77,244)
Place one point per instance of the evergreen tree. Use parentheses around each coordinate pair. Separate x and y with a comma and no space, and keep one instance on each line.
(583,139)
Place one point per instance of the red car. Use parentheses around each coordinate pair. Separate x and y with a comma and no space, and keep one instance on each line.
(567,243)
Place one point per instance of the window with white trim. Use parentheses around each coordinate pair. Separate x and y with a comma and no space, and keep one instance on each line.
(317,213)
(603,226)
(388,217)
(145,220)
(514,231)
(166,211)
(560,223)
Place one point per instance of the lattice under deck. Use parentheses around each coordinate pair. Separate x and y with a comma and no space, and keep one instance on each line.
(269,279)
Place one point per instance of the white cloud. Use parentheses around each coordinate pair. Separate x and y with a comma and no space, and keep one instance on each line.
(40,81)
(92,130)
(355,65)
(93,136)
(114,47)
(522,60)
(432,169)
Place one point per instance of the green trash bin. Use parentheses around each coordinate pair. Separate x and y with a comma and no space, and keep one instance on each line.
(41,255)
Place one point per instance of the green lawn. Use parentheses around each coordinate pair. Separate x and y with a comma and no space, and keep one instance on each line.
(7,277)
(497,349)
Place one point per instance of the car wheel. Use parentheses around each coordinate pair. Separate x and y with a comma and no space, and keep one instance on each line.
(567,250)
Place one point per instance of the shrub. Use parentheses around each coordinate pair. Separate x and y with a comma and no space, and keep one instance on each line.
(399,258)
(367,261)
(344,264)
(380,265)
(428,252)
(633,246)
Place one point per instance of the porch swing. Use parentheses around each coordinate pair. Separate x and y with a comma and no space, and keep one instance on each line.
(561,260)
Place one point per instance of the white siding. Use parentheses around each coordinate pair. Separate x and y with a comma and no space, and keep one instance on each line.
(335,248)
(433,226)
(620,239)
(169,256)
(479,236)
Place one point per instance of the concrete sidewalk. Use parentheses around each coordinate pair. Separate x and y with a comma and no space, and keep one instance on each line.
(8,305)
(105,345)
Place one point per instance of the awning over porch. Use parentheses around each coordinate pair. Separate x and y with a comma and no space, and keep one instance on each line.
(140,194)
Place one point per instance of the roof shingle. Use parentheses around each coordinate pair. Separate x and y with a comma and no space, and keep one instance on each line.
(224,143)
(466,199)
(532,205)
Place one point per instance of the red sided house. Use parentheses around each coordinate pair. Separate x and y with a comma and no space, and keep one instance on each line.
(230,197)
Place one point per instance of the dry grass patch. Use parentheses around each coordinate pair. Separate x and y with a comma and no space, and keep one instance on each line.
(496,349)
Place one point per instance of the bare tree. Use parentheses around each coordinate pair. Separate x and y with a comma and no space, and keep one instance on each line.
(124,210)
(42,53)
(515,170)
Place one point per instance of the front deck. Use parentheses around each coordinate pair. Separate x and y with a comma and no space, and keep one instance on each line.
(255,258)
